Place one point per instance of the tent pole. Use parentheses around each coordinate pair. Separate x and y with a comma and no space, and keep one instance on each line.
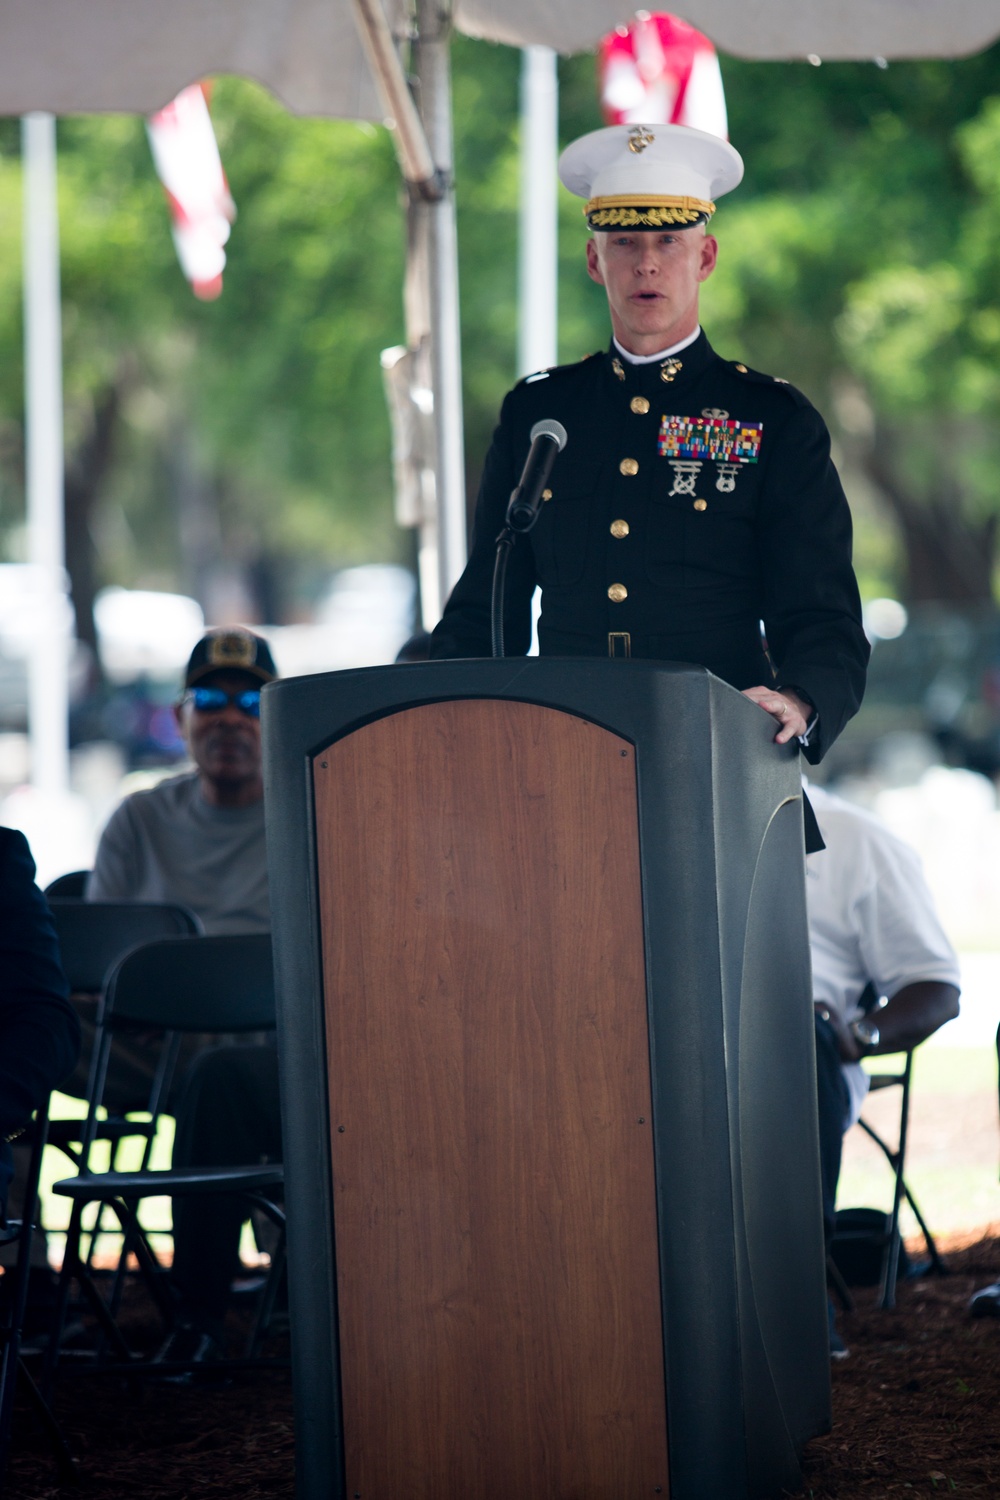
(424,146)
(432,67)
(537,344)
(413,149)
(48,687)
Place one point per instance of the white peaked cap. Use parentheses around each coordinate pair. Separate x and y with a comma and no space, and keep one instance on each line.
(649,176)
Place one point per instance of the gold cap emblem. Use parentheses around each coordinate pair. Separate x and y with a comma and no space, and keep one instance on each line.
(617,593)
(639,139)
(639,405)
(629,466)
(619,529)
(232,648)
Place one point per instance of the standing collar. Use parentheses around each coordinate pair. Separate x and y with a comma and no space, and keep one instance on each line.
(652,359)
(674,368)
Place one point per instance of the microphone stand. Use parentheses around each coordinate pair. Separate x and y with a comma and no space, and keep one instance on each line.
(505,542)
(548,438)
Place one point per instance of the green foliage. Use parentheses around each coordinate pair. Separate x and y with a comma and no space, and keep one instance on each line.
(272,393)
(312,293)
(859,259)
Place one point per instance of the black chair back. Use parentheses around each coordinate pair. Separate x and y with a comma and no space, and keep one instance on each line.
(869,999)
(94,935)
(202,984)
(72,886)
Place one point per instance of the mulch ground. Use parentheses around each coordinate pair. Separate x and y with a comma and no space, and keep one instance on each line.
(916,1413)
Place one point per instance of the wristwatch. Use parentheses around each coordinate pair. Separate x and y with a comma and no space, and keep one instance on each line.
(865,1033)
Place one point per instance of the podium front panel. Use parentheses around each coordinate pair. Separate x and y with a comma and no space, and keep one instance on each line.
(491,1138)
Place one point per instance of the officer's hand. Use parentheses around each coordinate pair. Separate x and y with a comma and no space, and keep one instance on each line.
(788,708)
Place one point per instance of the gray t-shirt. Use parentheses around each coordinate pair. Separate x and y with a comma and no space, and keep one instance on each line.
(169,844)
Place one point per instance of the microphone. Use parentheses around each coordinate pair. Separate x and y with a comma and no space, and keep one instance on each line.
(548,438)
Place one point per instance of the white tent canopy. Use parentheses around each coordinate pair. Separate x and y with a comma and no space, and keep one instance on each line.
(80,56)
(831,29)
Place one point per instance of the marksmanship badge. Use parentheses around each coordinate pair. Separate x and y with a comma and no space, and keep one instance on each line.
(685,477)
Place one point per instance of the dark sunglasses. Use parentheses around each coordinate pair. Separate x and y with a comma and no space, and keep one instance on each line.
(212,700)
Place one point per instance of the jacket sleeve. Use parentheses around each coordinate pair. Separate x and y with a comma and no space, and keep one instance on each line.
(812,609)
(39,1029)
(465,629)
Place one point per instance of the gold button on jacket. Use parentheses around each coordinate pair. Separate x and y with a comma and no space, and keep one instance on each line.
(701,505)
(639,405)
(619,529)
(617,593)
(628,466)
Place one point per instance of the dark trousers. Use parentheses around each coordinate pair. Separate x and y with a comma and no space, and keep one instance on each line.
(228,1116)
(834,1103)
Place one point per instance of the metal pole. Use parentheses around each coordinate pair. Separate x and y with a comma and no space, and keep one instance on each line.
(431,60)
(537,340)
(48,688)
(412,147)
(417,299)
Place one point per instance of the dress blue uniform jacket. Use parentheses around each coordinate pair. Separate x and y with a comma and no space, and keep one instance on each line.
(39,1029)
(694,499)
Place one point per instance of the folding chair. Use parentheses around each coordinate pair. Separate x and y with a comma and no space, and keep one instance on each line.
(12,1366)
(179,986)
(869,1003)
(93,936)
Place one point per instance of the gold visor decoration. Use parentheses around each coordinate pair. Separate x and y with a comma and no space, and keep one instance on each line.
(637,210)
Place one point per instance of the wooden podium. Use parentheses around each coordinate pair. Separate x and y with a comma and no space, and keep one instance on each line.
(546,1043)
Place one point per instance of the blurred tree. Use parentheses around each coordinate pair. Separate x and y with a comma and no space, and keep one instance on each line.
(860,262)
(250,433)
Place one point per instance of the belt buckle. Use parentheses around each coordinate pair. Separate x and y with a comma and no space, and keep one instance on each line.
(619,643)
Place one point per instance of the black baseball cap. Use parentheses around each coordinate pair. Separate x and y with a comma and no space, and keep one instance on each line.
(234,650)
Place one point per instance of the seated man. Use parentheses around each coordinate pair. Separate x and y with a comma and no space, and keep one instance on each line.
(871,920)
(198,840)
(39,1030)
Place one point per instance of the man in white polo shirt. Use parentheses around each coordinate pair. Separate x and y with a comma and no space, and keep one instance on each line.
(871,921)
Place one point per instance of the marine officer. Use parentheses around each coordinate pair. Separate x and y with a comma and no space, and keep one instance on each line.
(695,497)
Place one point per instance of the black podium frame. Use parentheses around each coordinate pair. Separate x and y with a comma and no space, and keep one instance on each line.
(731,1046)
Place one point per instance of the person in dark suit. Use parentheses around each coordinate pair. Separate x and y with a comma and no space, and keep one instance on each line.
(695,497)
(39,1030)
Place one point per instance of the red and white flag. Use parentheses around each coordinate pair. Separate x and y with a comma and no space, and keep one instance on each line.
(187,161)
(661,71)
